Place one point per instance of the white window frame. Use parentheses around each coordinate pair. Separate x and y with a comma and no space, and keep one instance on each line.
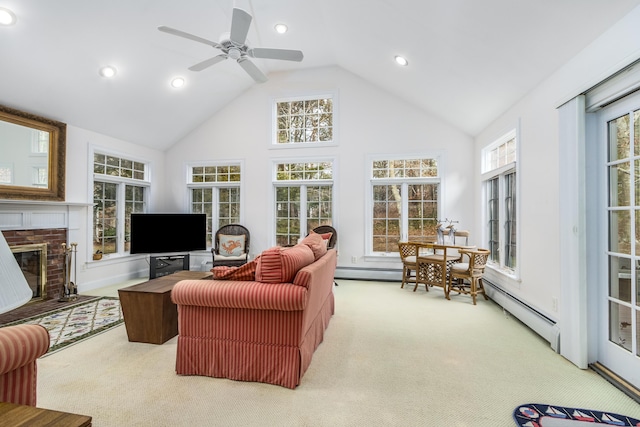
(121,183)
(370,255)
(216,185)
(498,270)
(273,144)
(302,184)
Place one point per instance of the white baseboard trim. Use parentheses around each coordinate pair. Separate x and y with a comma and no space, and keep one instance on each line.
(538,322)
(111,280)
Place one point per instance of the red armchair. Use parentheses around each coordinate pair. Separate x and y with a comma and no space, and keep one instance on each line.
(20,346)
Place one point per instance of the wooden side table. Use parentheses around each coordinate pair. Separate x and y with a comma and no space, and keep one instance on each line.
(29,416)
(149,314)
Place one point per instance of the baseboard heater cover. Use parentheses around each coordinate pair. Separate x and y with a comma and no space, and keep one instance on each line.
(378,274)
(536,321)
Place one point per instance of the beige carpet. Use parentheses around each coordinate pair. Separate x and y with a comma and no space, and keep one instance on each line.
(391,357)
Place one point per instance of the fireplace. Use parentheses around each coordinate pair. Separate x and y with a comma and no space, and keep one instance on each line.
(32,260)
(52,256)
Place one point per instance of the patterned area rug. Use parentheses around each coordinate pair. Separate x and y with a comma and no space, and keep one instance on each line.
(76,323)
(543,415)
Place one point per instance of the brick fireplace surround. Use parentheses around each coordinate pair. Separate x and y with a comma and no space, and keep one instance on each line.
(54,238)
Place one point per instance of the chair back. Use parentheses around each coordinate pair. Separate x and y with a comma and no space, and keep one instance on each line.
(478,260)
(461,235)
(231,230)
(321,229)
(407,249)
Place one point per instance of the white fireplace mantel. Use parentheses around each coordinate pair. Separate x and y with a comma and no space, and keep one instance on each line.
(31,215)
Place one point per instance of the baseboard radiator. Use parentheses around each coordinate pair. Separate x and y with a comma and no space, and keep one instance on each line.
(378,274)
(536,321)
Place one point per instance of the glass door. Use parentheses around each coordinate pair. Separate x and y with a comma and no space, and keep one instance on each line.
(619,307)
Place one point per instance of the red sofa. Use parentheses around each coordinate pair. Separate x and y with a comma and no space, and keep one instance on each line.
(252,330)
(20,346)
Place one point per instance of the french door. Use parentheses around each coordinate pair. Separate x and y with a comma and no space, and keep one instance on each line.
(619,288)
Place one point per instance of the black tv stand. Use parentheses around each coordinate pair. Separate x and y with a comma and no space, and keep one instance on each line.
(162,265)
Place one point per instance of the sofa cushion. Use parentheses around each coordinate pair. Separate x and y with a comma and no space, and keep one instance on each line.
(244,272)
(231,245)
(280,265)
(316,243)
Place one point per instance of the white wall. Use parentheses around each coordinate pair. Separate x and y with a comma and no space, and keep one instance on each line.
(541,177)
(94,274)
(370,121)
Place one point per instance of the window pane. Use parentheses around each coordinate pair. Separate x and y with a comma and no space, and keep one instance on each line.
(619,191)
(619,138)
(620,232)
(493,217)
(386,213)
(620,329)
(104,214)
(134,203)
(510,221)
(301,121)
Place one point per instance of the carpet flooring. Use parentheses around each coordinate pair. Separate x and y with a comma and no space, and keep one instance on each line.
(390,357)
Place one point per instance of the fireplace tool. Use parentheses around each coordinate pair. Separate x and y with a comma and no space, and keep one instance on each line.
(69,290)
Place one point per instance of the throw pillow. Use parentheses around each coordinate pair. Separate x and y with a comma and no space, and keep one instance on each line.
(280,265)
(244,272)
(231,245)
(316,243)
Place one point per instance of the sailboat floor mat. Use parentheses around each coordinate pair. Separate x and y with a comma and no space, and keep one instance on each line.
(545,415)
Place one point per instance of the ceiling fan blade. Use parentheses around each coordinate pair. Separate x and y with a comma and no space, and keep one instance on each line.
(179,33)
(240,22)
(252,70)
(208,63)
(286,54)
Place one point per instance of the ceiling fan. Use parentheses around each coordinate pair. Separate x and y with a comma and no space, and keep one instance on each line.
(234,45)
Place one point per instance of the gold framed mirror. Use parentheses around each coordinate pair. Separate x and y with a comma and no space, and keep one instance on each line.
(32,156)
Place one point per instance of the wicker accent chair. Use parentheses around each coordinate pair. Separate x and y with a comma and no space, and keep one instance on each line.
(20,346)
(470,271)
(408,255)
(229,250)
(321,229)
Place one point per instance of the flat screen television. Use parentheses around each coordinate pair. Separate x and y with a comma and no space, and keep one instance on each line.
(167,233)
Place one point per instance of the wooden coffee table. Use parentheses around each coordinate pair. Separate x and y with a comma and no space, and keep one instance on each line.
(149,314)
(23,415)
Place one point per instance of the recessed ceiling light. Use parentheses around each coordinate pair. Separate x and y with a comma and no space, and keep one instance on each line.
(7,17)
(281,28)
(401,60)
(177,82)
(108,71)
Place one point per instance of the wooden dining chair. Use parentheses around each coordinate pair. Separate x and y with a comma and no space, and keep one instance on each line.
(408,254)
(470,272)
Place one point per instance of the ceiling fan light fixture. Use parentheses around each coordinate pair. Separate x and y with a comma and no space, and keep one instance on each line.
(177,82)
(281,28)
(7,17)
(108,71)
(401,60)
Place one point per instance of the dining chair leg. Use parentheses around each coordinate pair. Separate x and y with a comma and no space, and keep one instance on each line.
(484,294)
(474,292)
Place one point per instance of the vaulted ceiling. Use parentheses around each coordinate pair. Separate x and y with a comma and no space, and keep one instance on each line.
(469,60)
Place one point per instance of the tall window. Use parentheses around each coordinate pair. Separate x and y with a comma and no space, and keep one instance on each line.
(215,191)
(303,199)
(404,201)
(500,188)
(307,120)
(120,188)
